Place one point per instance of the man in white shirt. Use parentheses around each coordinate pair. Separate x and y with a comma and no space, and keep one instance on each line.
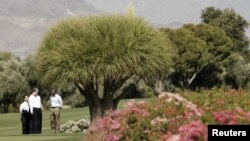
(56,106)
(25,115)
(36,112)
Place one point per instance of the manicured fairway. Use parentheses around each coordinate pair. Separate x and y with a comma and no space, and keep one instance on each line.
(41,138)
(10,126)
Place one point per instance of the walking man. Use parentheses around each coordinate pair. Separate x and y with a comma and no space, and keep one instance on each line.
(36,112)
(56,106)
(25,115)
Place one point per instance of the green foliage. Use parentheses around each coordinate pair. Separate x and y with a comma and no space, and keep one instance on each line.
(238,74)
(209,14)
(219,45)
(78,49)
(5,56)
(68,91)
(29,71)
(138,90)
(101,52)
(219,99)
(190,49)
(234,26)
(199,47)
(13,84)
(232,23)
(71,96)
(131,120)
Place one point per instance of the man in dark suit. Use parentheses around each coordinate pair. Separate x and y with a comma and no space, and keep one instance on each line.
(25,115)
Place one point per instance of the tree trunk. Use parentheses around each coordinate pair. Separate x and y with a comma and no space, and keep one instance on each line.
(107,100)
(186,84)
(15,107)
(95,111)
(97,106)
(5,103)
(1,105)
(158,87)
(5,108)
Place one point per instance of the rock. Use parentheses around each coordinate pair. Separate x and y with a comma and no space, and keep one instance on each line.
(83,124)
(70,123)
(84,121)
(75,129)
(62,128)
(68,131)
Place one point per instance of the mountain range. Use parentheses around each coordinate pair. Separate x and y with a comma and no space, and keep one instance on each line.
(24,22)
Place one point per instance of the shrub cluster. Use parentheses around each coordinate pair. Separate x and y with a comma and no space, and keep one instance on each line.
(171,117)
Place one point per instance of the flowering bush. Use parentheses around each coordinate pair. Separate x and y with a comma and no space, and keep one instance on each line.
(193,131)
(217,100)
(171,117)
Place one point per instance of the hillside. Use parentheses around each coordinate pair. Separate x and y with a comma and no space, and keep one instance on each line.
(23,22)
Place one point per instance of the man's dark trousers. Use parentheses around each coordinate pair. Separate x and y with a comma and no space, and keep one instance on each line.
(36,121)
(25,118)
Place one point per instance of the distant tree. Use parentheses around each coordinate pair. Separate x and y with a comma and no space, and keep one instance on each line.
(31,76)
(71,95)
(199,47)
(232,23)
(238,74)
(161,83)
(29,71)
(13,84)
(191,57)
(209,14)
(68,91)
(108,49)
(220,46)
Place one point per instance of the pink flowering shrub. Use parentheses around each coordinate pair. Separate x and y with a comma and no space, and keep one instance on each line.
(143,121)
(231,117)
(225,117)
(172,117)
(195,130)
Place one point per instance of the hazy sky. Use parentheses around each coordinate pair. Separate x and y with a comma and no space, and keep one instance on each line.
(24,22)
(171,11)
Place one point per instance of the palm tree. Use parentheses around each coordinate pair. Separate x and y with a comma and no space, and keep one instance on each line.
(101,52)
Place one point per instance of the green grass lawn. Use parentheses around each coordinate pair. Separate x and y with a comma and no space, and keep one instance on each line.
(10,125)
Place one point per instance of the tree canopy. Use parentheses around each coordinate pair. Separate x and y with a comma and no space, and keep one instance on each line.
(232,23)
(13,84)
(84,50)
(198,48)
